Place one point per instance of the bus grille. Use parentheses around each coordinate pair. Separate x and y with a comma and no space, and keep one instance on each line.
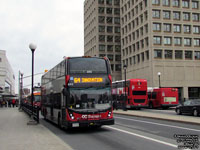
(139,100)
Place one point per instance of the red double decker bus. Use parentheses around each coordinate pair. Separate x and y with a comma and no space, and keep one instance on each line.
(162,97)
(136,91)
(77,93)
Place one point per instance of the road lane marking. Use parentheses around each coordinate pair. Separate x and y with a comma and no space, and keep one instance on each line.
(159,124)
(141,136)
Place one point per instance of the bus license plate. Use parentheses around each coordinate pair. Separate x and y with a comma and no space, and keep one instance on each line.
(75,125)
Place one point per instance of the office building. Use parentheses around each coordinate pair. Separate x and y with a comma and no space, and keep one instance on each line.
(7,77)
(102,32)
(162,36)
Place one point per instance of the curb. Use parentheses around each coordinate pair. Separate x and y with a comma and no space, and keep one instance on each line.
(165,119)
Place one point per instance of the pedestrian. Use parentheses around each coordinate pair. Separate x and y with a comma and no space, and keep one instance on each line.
(13,102)
(9,103)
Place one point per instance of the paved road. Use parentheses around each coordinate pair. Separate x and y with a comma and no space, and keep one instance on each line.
(129,133)
(166,111)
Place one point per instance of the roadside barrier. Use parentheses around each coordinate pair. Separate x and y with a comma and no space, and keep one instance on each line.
(28,109)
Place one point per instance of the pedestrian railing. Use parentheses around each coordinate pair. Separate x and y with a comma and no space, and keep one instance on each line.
(28,109)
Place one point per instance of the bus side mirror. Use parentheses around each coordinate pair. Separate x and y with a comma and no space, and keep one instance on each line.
(64,91)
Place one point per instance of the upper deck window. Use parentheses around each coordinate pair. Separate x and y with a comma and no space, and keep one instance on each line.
(87,65)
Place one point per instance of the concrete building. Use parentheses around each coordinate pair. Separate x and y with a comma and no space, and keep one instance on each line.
(156,36)
(7,77)
(162,36)
(102,32)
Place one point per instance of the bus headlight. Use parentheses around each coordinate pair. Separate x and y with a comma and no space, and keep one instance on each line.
(109,113)
(71,116)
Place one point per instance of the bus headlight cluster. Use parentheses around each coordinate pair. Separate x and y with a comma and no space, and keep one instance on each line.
(109,114)
(71,116)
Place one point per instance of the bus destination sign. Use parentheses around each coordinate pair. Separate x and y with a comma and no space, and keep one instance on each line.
(88,80)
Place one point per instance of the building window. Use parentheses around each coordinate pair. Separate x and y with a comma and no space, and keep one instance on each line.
(176,3)
(177,41)
(101,28)
(110,48)
(196,29)
(147,55)
(178,54)
(109,2)
(102,55)
(117,20)
(109,10)
(186,16)
(101,19)
(176,15)
(177,28)
(167,40)
(156,13)
(166,3)
(197,42)
(138,58)
(117,57)
(118,67)
(186,28)
(110,57)
(197,55)
(142,56)
(157,40)
(157,53)
(185,3)
(156,2)
(168,54)
(187,41)
(109,29)
(166,14)
(101,47)
(167,27)
(109,19)
(116,11)
(195,4)
(101,10)
(156,27)
(101,1)
(188,54)
(117,38)
(102,38)
(117,29)
(117,48)
(116,2)
(195,17)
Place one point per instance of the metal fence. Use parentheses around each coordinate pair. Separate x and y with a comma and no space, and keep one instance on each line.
(28,109)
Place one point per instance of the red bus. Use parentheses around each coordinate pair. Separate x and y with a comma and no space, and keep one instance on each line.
(162,97)
(77,93)
(36,100)
(136,91)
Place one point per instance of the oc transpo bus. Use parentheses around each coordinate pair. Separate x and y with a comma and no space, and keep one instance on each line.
(162,97)
(77,93)
(136,92)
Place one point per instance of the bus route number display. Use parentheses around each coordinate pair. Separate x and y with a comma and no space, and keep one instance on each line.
(88,80)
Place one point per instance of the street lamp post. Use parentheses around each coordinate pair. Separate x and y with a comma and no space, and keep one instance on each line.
(159,73)
(32,47)
(124,107)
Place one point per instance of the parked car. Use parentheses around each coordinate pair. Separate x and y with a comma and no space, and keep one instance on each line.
(189,107)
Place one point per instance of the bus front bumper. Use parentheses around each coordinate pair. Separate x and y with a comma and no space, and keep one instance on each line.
(88,123)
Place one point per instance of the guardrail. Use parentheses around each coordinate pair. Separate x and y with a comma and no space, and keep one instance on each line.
(28,109)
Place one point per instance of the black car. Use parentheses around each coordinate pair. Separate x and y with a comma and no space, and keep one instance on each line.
(189,107)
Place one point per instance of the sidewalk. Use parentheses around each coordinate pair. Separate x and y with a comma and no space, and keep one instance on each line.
(15,134)
(177,118)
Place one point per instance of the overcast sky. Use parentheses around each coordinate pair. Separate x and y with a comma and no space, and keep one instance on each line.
(55,26)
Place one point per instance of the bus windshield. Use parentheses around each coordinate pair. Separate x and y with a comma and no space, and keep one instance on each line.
(87,65)
(90,98)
